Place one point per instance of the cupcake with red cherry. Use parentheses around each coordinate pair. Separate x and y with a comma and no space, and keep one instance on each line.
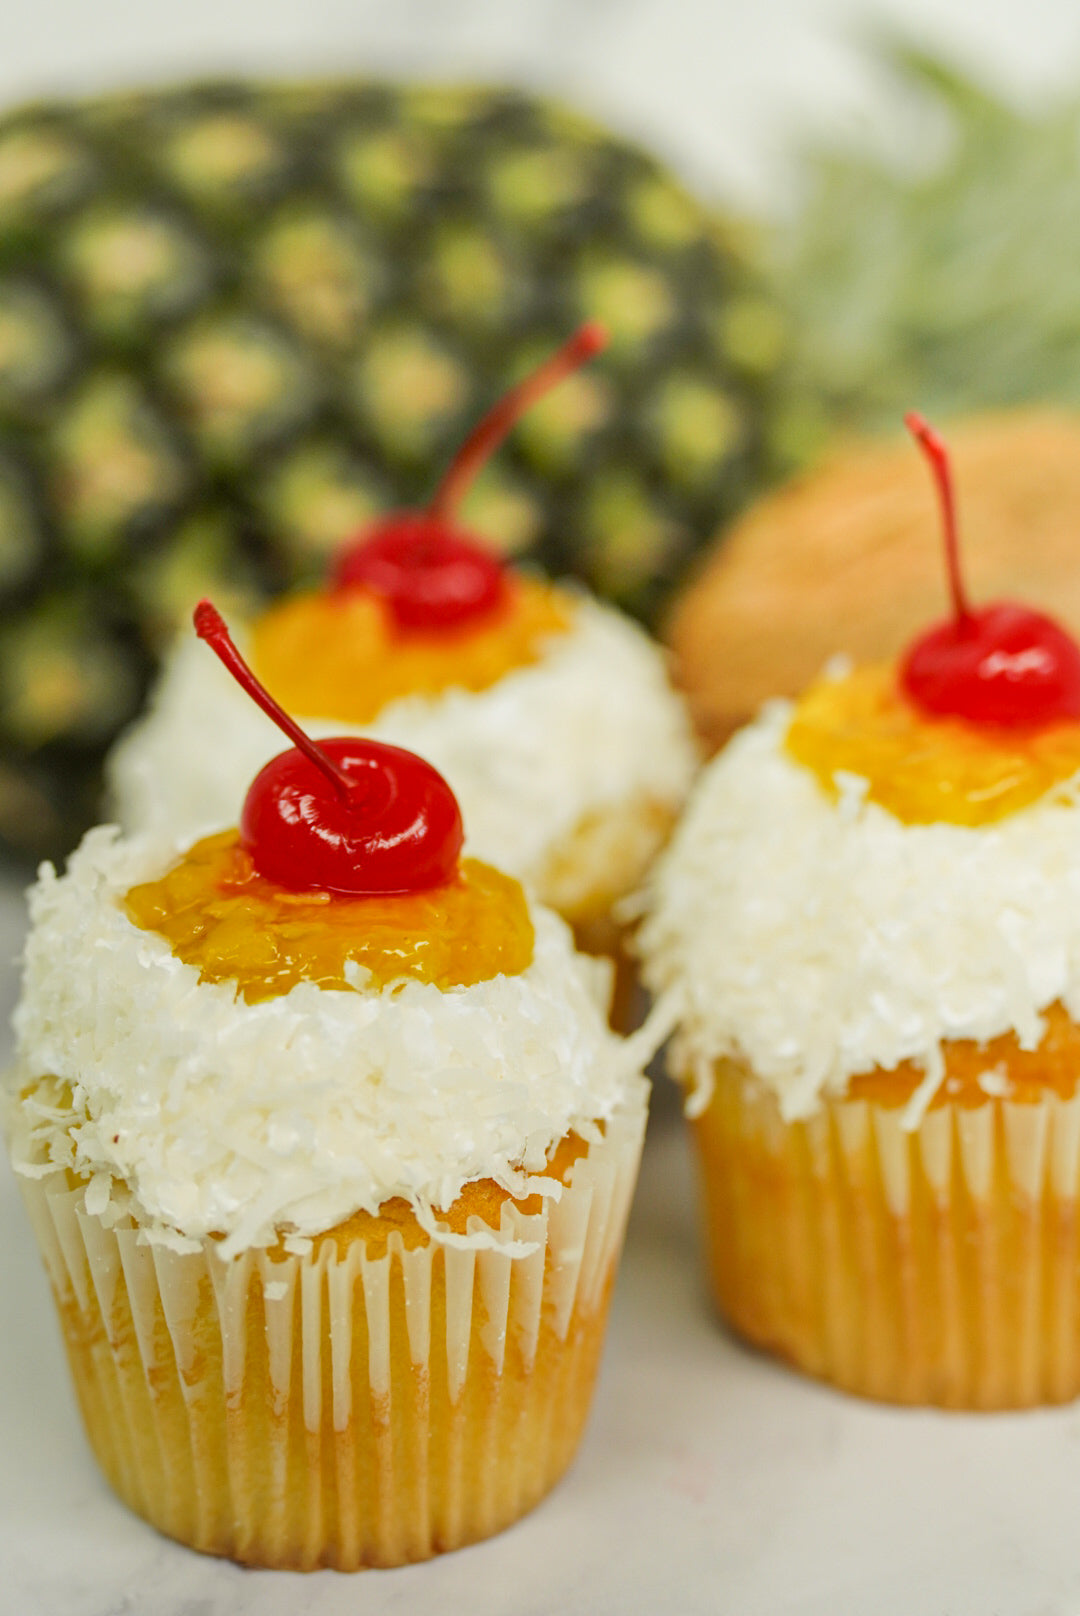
(868,923)
(551,715)
(329,1150)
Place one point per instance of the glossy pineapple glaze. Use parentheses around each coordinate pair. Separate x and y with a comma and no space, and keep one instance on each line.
(925,770)
(339,654)
(220,915)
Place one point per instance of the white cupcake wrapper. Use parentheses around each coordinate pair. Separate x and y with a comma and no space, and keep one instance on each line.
(320,1313)
(935,1264)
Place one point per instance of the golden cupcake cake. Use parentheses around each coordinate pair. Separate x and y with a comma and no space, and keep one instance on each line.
(329,1151)
(551,715)
(869,924)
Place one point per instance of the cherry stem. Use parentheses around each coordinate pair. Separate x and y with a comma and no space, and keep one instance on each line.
(938,456)
(484,439)
(210,626)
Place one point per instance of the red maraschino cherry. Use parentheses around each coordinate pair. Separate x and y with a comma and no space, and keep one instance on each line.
(1004,665)
(434,575)
(347,815)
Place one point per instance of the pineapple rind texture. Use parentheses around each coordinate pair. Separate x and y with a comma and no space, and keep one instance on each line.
(237,320)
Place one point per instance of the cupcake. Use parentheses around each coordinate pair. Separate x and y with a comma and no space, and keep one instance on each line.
(550,715)
(329,1150)
(868,924)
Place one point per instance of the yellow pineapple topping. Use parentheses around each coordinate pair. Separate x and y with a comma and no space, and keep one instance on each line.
(219,914)
(925,770)
(338,653)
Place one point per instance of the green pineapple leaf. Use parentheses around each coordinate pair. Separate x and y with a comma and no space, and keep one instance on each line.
(944,284)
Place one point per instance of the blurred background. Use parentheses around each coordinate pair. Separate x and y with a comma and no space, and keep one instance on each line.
(261,265)
(726,92)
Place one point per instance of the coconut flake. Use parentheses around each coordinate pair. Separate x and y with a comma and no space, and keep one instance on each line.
(816,938)
(593,725)
(218,1116)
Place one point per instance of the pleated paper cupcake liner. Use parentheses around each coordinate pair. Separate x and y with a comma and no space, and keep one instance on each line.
(357,1406)
(939,1265)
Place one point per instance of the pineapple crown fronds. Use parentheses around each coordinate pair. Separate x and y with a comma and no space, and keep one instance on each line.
(939,269)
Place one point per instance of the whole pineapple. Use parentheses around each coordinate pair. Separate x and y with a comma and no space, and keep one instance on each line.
(236,321)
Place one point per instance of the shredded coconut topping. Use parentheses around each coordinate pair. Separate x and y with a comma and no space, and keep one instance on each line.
(246,1120)
(817,939)
(591,726)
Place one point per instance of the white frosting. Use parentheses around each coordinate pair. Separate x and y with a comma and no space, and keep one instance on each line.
(242,1119)
(818,938)
(590,727)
